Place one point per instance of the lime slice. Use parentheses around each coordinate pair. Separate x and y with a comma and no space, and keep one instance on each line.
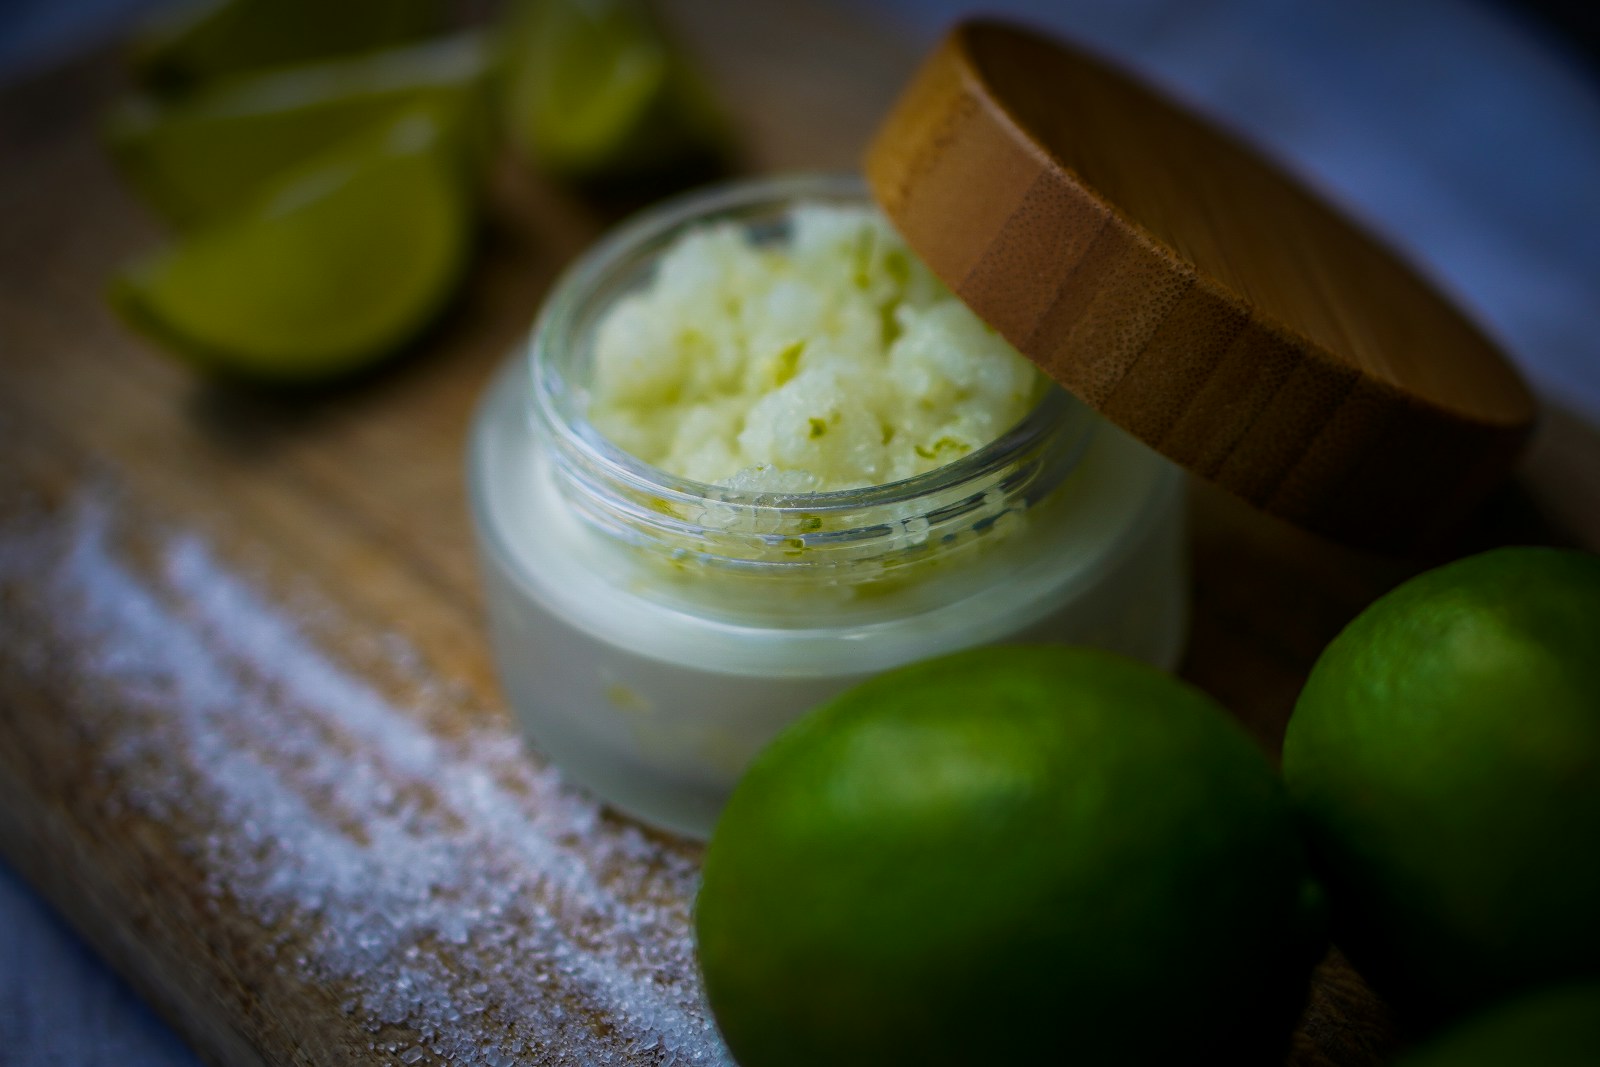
(341,262)
(199,157)
(202,39)
(593,89)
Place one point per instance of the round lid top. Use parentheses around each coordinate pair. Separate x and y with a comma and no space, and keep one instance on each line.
(1194,293)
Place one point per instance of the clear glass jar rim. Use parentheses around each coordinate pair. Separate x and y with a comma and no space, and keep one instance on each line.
(563,314)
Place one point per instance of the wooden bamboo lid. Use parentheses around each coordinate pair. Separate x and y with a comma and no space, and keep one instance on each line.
(1193,293)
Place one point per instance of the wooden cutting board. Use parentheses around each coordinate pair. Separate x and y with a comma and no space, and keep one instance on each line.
(251,742)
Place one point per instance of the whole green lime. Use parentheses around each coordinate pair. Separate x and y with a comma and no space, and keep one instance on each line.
(1008,855)
(1551,1028)
(1445,755)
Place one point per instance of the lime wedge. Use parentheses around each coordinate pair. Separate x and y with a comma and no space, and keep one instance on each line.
(202,39)
(339,263)
(592,88)
(198,158)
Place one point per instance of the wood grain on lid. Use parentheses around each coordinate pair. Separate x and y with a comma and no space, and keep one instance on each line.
(1194,293)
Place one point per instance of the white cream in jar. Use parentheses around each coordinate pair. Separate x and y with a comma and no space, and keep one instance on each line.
(653,631)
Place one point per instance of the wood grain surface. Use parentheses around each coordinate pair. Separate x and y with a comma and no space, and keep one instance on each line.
(250,741)
(1194,292)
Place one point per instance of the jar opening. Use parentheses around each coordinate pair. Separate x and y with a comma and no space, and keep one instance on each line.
(643,505)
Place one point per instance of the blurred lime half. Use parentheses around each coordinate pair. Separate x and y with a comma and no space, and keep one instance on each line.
(339,264)
(193,42)
(201,156)
(593,89)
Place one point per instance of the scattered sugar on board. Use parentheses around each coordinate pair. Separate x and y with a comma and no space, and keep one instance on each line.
(479,907)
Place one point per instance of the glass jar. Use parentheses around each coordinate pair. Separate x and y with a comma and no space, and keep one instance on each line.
(652,633)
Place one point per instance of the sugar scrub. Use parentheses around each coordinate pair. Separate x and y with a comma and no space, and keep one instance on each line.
(756,454)
(831,360)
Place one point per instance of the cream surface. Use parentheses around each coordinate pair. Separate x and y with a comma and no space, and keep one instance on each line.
(832,360)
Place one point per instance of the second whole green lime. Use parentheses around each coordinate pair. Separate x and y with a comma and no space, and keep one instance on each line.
(1009,855)
(1445,758)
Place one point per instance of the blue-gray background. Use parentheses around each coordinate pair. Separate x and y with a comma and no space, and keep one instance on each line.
(1465,131)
